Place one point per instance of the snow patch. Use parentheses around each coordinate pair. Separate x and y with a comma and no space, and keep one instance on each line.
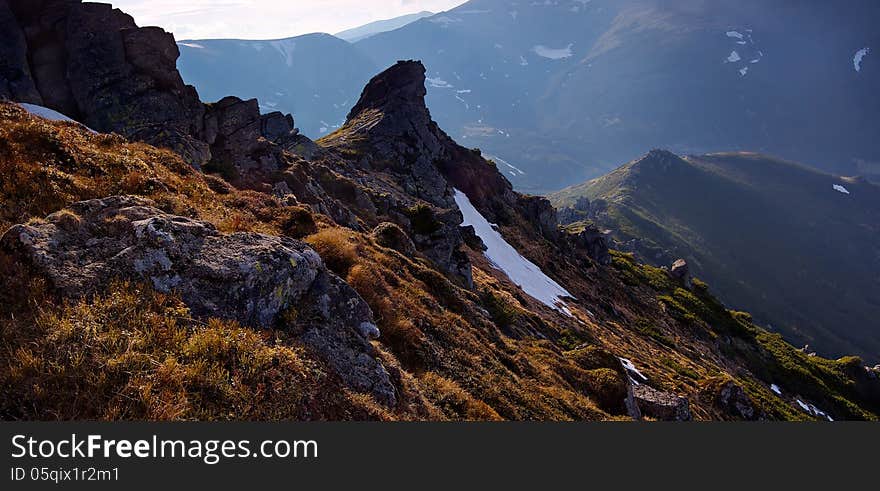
(514,170)
(444,21)
(553,53)
(632,370)
(438,82)
(840,189)
(50,114)
(503,256)
(858,57)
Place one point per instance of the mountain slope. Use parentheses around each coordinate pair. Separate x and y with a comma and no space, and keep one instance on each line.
(362,32)
(795,246)
(342,283)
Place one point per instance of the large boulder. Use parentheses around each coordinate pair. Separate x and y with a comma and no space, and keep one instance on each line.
(660,405)
(257,280)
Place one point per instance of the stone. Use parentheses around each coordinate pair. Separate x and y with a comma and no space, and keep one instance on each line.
(661,405)
(680,272)
(258,280)
(733,399)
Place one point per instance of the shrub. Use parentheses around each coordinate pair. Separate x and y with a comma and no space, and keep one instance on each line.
(422,219)
(337,248)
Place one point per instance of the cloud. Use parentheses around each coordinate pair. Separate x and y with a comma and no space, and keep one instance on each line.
(268,19)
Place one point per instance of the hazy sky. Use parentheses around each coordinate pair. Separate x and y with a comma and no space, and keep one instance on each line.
(268,19)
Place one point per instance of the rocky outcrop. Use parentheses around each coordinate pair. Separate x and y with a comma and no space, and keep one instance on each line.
(257,280)
(661,405)
(732,399)
(391,131)
(681,272)
(594,242)
(94,64)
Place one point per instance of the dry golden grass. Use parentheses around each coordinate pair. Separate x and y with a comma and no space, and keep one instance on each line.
(132,353)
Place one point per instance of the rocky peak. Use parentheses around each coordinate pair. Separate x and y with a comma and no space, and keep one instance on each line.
(399,90)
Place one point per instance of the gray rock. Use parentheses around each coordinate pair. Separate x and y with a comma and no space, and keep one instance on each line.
(680,271)
(257,280)
(734,400)
(663,406)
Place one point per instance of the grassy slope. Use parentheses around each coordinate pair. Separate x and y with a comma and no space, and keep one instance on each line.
(452,353)
(771,236)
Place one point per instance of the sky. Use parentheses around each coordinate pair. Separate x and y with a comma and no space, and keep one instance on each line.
(268,19)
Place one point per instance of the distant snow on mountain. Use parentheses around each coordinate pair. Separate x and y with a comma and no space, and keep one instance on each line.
(840,189)
(553,53)
(858,57)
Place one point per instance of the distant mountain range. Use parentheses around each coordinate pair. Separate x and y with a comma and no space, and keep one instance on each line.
(373,28)
(317,77)
(565,90)
(794,246)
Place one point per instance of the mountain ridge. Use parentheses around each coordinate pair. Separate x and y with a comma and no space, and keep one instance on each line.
(799,235)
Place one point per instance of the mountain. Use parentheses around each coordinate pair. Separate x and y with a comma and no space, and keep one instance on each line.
(578,87)
(796,247)
(317,76)
(581,86)
(383,272)
(359,33)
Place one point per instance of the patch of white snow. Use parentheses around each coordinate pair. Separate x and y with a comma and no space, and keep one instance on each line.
(553,53)
(50,114)
(858,57)
(503,256)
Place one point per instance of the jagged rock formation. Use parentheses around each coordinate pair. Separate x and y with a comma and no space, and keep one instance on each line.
(94,64)
(258,280)
(390,131)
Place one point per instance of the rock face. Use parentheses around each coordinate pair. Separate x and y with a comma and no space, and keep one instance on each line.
(257,280)
(92,63)
(661,405)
